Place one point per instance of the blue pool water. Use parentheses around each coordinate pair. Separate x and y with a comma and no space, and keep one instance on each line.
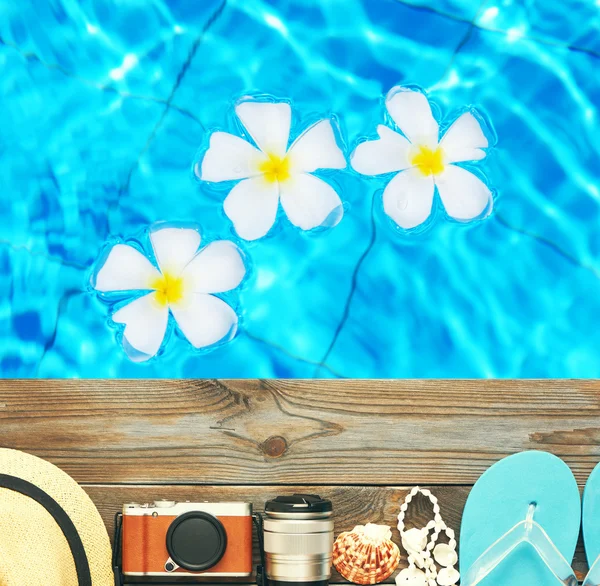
(105,102)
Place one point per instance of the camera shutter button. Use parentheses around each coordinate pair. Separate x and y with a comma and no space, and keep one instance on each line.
(170,566)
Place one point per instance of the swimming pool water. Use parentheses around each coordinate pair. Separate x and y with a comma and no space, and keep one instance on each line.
(104,104)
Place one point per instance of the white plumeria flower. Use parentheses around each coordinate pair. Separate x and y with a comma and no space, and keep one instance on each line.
(183,284)
(425,162)
(272,172)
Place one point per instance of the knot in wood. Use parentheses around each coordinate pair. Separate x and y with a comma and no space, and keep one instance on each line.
(275,446)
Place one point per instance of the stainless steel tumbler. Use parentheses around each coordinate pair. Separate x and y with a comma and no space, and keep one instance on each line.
(298,540)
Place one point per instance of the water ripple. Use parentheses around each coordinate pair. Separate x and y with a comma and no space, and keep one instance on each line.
(105,108)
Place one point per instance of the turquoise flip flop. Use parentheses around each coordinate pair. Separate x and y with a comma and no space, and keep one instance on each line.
(591,526)
(520,524)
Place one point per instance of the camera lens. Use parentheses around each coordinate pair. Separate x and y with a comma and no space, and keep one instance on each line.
(298,540)
(196,541)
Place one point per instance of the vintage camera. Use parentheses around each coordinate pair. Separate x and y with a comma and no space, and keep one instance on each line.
(175,539)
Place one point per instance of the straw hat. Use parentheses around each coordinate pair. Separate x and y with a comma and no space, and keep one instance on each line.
(50,531)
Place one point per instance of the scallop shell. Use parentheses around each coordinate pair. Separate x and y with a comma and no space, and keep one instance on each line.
(366,555)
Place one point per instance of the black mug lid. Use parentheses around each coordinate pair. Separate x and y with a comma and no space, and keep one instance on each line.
(299,503)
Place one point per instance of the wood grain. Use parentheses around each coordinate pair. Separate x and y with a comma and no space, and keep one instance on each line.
(352,440)
(294,432)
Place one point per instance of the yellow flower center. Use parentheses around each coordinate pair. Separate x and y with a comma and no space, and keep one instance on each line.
(168,289)
(427,161)
(275,168)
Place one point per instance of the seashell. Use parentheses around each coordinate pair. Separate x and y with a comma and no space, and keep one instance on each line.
(444,555)
(414,540)
(366,555)
(448,577)
(411,577)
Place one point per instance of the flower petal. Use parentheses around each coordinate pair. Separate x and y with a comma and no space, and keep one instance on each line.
(125,269)
(145,325)
(215,269)
(174,248)
(252,207)
(228,158)
(268,124)
(308,201)
(464,195)
(464,140)
(316,148)
(205,320)
(411,111)
(389,153)
(408,198)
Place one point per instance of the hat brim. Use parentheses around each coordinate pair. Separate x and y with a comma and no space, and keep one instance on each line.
(33,546)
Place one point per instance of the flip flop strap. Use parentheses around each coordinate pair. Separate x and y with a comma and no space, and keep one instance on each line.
(593,576)
(527,531)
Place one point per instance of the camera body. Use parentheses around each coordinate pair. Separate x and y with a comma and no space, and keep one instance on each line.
(166,538)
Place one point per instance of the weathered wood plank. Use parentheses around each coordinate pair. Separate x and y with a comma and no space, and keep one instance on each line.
(352,505)
(294,432)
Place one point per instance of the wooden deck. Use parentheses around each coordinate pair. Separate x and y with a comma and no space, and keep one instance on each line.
(359,442)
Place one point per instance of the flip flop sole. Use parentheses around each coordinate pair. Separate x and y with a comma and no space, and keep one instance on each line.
(502,497)
(591,516)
